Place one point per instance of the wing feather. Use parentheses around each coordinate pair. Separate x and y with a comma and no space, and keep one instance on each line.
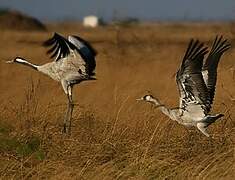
(86,51)
(209,69)
(192,89)
(59,47)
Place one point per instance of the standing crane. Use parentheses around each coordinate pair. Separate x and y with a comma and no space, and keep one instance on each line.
(74,62)
(196,83)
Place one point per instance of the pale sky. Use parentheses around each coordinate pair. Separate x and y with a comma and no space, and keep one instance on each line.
(142,9)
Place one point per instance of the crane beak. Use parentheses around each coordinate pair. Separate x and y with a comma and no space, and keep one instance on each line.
(139,99)
(9,62)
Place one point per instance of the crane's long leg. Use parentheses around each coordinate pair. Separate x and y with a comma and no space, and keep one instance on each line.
(66,118)
(68,115)
(71,104)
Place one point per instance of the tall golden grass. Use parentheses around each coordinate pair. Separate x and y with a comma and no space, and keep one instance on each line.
(113,136)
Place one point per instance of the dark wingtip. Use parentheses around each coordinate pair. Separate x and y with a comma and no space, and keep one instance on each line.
(51,40)
(195,48)
(219,38)
(220,44)
(48,42)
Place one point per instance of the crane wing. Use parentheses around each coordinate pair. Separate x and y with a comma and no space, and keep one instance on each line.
(209,70)
(59,47)
(194,98)
(75,52)
(86,51)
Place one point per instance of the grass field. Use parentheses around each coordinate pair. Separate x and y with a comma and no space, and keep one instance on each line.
(113,136)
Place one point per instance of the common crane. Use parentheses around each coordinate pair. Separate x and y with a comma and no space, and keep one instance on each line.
(196,83)
(74,62)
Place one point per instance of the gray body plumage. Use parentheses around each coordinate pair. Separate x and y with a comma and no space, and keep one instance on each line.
(69,70)
(196,82)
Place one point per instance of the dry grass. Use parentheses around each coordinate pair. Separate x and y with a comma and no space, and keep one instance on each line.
(113,136)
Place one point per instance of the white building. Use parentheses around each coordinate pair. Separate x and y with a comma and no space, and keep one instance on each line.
(91,21)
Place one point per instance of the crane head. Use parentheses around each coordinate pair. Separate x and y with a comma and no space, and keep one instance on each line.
(17,59)
(147,97)
(150,99)
(9,62)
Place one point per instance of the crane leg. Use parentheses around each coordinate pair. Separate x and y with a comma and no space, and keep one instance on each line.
(71,104)
(66,119)
(68,115)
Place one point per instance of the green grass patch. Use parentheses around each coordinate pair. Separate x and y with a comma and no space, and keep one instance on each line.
(22,149)
(31,146)
(8,144)
(19,147)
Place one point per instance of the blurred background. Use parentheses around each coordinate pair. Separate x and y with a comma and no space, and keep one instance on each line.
(140,45)
(148,10)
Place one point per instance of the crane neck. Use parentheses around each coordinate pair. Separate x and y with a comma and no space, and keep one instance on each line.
(26,63)
(168,112)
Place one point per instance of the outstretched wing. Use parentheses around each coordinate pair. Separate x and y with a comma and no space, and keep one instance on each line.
(86,51)
(209,70)
(194,98)
(59,47)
